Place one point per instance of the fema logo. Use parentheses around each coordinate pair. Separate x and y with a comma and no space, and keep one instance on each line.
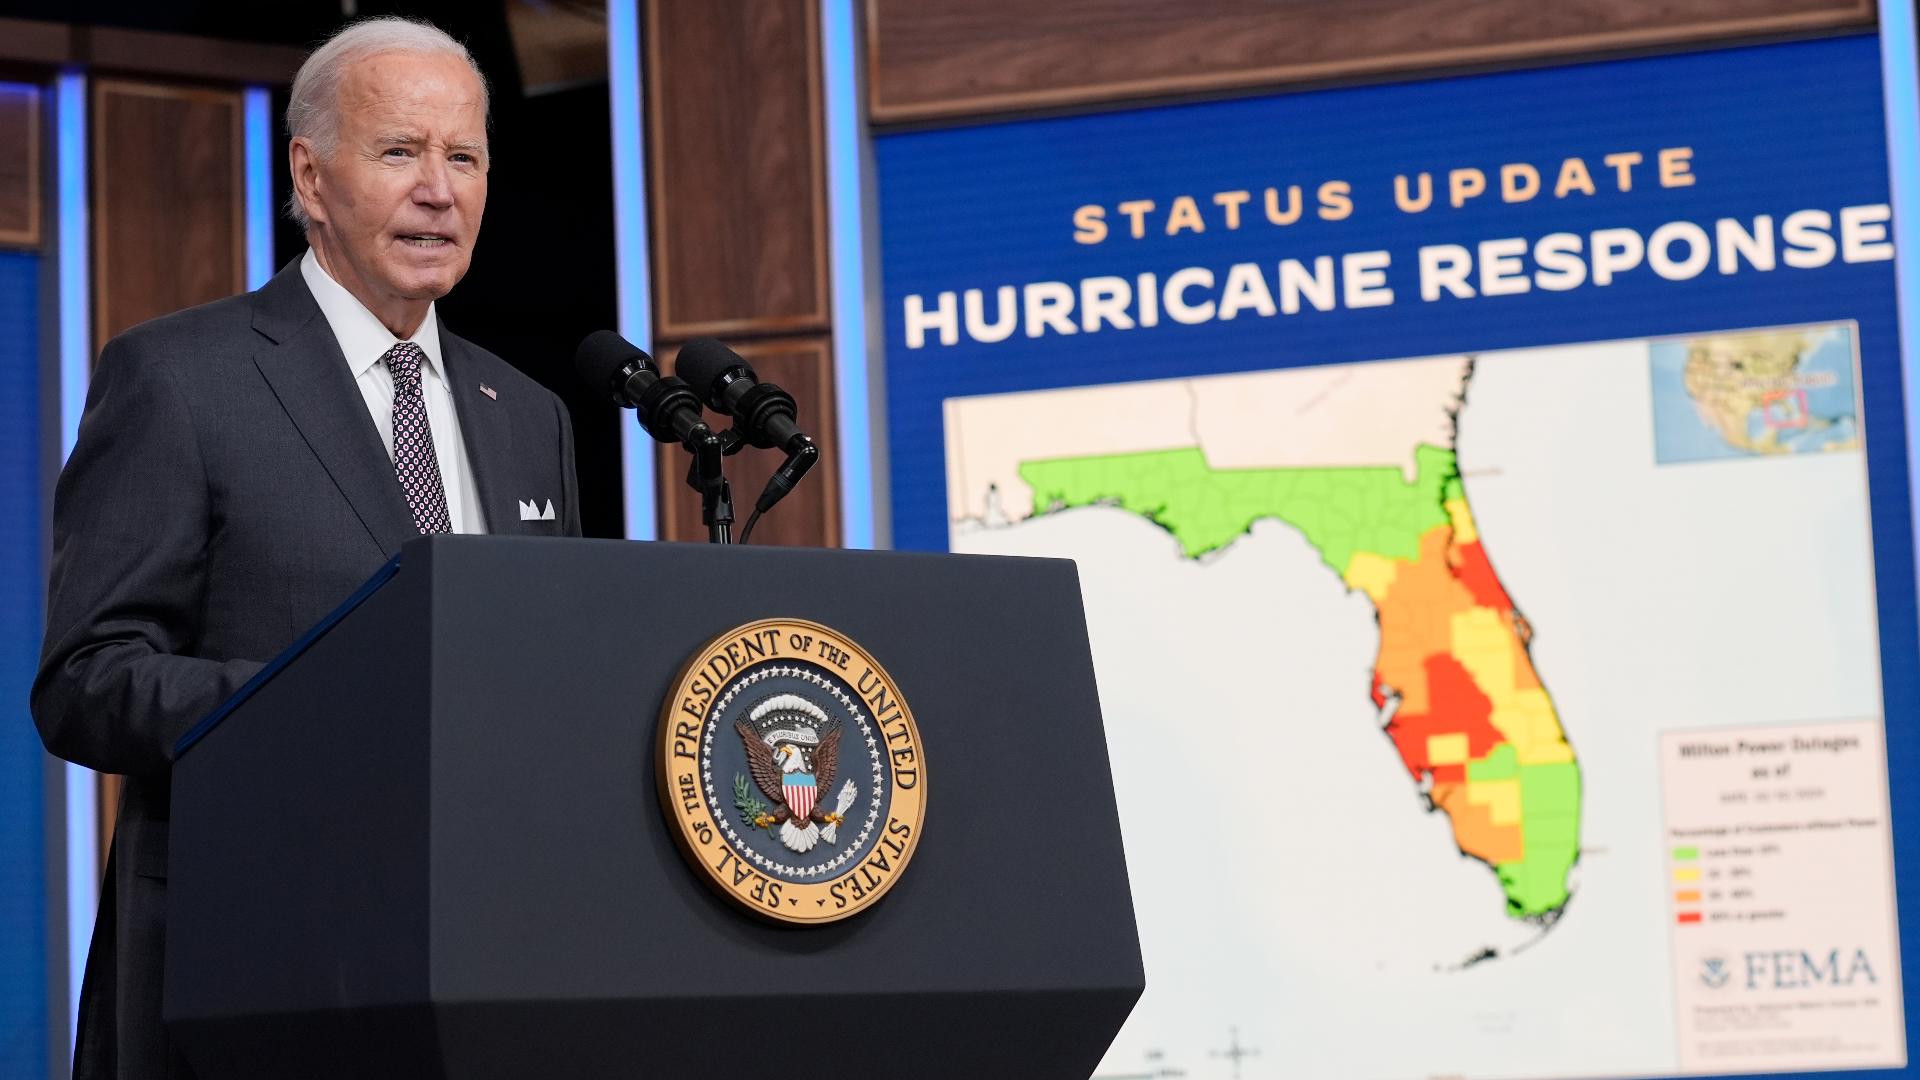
(1715,971)
(791,770)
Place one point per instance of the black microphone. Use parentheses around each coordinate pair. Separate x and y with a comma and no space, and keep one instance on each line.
(726,382)
(762,413)
(669,409)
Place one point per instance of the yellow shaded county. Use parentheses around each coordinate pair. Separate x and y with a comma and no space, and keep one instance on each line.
(1372,574)
(1483,642)
(1500,797)
(1527,719)
(1448,749)
(1458,513)
(1474,829)
(1486,645)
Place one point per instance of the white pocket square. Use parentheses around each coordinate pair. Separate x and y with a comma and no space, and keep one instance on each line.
(533,511)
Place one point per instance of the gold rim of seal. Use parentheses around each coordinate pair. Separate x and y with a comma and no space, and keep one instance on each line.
(693,822)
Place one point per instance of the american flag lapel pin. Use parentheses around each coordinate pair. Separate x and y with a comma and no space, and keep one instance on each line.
(489,391)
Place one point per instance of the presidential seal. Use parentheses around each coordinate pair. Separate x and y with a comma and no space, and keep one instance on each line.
(791,771)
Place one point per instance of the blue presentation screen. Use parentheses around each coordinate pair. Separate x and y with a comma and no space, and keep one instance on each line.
(23,889)
(1492,503)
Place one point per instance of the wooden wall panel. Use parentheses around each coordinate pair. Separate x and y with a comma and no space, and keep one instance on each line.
(169,200)
(810,515)
(201,59)
(30,41)
(736,168)
(931,59)
(21,167)
(737,179)
(169,221)
(37,44)
(557,46)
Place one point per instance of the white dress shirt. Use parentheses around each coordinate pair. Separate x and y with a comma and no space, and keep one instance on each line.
(364,340)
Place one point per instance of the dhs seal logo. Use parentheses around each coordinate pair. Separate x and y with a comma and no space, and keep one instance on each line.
(1715,970)
(791,771)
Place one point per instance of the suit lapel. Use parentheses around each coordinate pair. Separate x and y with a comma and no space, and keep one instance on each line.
(308,374)
(487,430)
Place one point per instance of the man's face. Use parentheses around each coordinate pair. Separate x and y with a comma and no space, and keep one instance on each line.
(398,204)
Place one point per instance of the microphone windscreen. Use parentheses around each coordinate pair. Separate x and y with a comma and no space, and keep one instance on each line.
(602,355)
(702,361)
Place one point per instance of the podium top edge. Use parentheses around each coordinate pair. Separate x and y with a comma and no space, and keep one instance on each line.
(427,545)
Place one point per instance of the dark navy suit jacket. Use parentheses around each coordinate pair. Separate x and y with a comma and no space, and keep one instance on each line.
(228,489)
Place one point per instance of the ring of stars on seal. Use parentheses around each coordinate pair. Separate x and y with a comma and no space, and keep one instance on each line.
(791,771)
(865,732)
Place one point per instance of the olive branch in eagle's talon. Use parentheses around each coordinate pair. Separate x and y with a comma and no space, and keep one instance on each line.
(750,808)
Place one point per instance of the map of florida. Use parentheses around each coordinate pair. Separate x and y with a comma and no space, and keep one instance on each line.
(1454,682)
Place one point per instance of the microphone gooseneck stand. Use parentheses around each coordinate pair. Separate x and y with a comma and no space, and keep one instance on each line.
(706,474)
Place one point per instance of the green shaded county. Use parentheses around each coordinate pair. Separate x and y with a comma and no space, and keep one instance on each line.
(1501,763)
(1550,830)
(1341,510)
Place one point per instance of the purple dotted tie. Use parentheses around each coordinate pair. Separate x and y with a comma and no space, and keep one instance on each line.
(413,458)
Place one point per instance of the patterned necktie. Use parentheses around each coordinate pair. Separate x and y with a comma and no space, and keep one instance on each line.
(413,458)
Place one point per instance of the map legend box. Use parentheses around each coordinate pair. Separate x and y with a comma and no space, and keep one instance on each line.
(1784,944)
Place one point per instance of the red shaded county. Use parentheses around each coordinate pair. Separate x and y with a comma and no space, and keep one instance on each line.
(1476,573)
(1454,706)
(1379,693)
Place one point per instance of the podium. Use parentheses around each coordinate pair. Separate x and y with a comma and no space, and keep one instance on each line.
(427,841)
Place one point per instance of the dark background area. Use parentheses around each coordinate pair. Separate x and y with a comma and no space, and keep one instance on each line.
(543,273)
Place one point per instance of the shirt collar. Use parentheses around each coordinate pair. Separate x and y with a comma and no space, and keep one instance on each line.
(363,338)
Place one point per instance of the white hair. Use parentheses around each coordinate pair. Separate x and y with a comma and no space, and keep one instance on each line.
(313,109)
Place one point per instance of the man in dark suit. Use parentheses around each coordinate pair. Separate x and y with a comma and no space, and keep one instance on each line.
(242,467)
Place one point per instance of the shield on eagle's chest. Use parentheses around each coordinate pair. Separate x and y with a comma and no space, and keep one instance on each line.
(799,789)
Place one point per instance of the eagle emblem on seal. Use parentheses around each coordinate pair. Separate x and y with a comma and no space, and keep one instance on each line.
(793,751)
